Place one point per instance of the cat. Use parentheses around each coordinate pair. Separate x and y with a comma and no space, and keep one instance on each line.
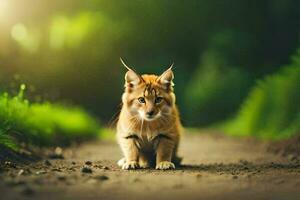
(149,127)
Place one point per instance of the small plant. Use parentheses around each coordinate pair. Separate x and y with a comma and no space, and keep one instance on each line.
(41,123)
(272,109)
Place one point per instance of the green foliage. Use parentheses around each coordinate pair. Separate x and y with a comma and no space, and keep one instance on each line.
(215,94)
(63,47)
(218,86)
(42,123)
(272,109)
(7,141)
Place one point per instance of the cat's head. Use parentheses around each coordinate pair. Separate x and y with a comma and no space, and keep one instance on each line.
(149,97)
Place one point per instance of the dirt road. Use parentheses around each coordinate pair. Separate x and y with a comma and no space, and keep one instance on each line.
(214,167)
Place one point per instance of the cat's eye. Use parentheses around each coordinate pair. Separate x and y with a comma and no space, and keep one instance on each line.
(158,100)
(141,100)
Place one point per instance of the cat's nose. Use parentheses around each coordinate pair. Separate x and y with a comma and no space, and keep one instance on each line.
(150,113)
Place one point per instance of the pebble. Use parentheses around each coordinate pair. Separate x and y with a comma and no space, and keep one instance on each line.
(21,172)
(86,170)
(71,168)
(47,163)
(25,152)
(61,178)
(10,164)
(56,170)
(244,162)
(57,154)
(102,178)
(101,167)
(88,163)
(58,150)
(40,172)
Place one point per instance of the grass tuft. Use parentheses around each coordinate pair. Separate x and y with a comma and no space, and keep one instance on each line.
(42,123)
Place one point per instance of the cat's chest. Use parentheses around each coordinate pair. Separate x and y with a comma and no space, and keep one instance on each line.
(146,134)
(147,140)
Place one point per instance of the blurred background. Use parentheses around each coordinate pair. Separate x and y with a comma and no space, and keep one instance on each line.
(236,62)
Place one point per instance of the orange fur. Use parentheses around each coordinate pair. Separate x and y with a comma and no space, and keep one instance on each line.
(148,129)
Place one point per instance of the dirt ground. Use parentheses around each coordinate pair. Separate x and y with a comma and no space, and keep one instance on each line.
(214,167)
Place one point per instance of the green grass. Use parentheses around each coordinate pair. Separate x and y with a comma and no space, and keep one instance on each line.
(42,123)
(272,109)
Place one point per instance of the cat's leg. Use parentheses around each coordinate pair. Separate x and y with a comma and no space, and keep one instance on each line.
(176,159)
(164,153)
(131,153)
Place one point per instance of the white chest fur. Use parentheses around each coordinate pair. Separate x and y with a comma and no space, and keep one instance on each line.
(145,138)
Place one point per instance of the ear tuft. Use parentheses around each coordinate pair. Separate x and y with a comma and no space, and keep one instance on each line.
(124,64)
(131,77)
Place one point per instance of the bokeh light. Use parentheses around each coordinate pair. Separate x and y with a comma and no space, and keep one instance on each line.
(69,32)
(27,39)
(70,49)
(19,32)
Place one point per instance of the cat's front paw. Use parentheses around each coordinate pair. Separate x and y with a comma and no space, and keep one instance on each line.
(130,165)
(164,165)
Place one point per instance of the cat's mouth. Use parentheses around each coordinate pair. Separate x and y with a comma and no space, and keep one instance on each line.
(149,118)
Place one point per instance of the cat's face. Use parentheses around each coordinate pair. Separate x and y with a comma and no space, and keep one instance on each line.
(149,97)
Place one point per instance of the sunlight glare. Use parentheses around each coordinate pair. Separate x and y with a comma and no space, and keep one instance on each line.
(3,7)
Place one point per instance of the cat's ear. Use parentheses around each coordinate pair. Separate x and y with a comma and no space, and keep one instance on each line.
(131,77)
(166,79)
